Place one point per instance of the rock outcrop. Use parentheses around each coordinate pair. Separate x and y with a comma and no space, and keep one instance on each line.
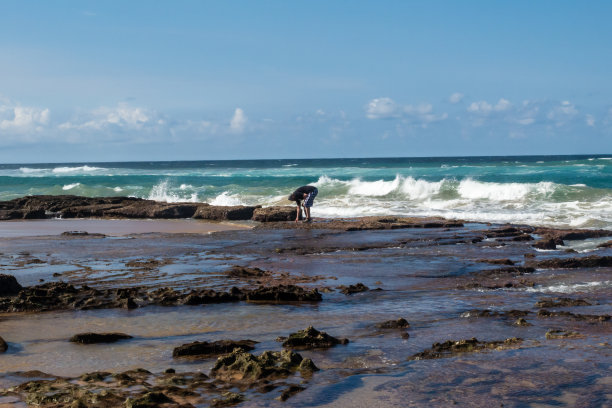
(9,285)
(214,348)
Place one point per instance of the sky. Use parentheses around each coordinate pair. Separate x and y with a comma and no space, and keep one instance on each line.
(204,80)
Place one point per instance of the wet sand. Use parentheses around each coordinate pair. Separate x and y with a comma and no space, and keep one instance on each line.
(27,228)
(449,283)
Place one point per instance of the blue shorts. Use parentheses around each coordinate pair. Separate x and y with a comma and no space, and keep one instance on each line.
(310,198)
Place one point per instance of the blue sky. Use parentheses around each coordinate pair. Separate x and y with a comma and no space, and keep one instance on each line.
(144,80)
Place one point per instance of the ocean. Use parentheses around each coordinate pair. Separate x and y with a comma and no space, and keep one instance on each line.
(560,191)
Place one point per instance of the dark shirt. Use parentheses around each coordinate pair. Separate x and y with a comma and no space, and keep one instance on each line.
(299,193)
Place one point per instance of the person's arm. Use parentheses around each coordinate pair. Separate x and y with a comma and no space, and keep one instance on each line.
(299,210)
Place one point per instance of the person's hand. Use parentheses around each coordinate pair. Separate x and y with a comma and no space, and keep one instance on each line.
(296,219)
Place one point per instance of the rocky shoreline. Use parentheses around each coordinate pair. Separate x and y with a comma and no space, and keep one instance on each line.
(468,292)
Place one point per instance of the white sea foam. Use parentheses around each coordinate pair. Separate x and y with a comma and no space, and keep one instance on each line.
(78,169)
(28,170)
(473,189)
(117,189)
(226,199)
(163,192)
(70,186)
(571,287)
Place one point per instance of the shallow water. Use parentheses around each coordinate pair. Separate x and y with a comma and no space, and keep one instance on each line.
(419,273)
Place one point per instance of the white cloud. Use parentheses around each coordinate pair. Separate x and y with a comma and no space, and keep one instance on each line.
(239,121)
(484,107)
(381,108)
(122,116)
(590,120)
(562,113)
(23,118)
(455,98)
(384,108)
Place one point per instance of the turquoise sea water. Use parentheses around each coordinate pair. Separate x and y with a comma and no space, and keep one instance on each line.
(570,191)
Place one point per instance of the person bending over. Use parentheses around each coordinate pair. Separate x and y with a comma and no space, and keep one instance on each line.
(306,194)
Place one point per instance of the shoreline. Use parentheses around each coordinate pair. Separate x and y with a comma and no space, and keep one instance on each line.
(113,227)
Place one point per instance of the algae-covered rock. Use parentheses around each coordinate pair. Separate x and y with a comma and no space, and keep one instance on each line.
(452,347)
(561,302)
(283,293)
(349,290)
(93,338)
(310,338)
(563,334)
(229,399)
(400,323)
(149,400)
(204,348)
(242,366)
(522,322)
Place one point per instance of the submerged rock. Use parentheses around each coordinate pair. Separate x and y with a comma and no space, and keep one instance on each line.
(400,323)
(3,345)
(548,243)
(241,366)
(310,338)
(93,338)
(575,316)
(561,302)
(452,347)
(563,334)
(245,272)
(522,322)
(207,349)
(349,290)
(227,399)
(283,293)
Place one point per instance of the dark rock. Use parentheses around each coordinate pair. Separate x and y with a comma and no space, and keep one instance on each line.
(548,243)
(9,285)
(290,392)
(607,244)
(210,212)
(149,400)
(349,290)
(561,302)
(240,366)
(275,214)
(229,399)
(592,261)
(207,349)
(170,371)
(451,347)
(400,323)
(93,338)
(283,293)
(562,334)
(522,237)
(310,338)
(505,261)
(3,345)
(513,314)
(575,316)
(245,272)
(521,322)
(576,234)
